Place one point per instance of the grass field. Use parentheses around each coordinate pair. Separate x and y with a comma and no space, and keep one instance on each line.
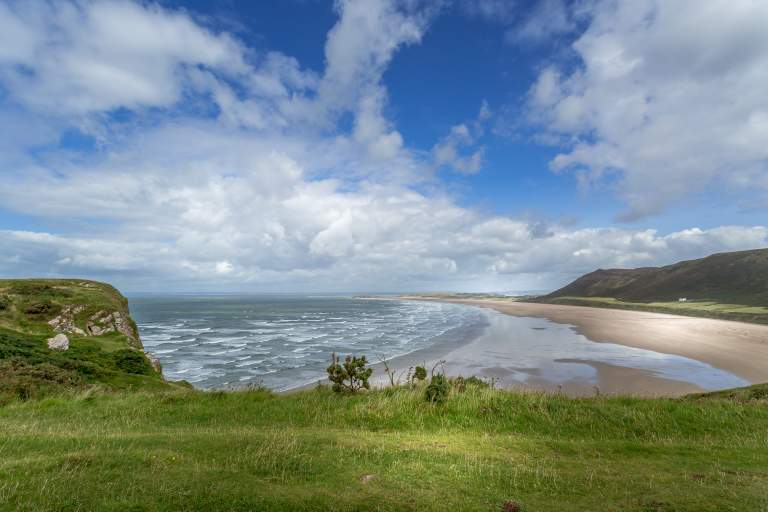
(188,450)
(707,309)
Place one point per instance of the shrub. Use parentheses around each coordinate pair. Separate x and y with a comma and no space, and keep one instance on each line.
(5,302)
(30,288)
(438,389)
(461,384)
(20,379)
(351,375)
(419,373)
(132,361)
(39,308)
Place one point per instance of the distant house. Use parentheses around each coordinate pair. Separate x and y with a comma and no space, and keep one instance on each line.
(682,299)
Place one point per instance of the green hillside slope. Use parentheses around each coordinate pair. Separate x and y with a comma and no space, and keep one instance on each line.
(730,278)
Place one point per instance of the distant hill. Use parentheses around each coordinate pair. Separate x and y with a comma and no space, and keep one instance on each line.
(730,277)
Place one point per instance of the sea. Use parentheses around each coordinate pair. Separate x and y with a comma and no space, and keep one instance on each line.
(286,341)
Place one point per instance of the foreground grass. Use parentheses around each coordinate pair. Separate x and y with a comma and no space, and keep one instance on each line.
(706,309)
(188,450)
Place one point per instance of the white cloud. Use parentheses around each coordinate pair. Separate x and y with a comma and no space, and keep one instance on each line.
(271,193)
(448,151)
(77,58)
(670,94)
(547,19)
(499,11)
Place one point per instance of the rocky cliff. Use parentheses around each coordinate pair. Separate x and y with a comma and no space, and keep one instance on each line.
(71,331)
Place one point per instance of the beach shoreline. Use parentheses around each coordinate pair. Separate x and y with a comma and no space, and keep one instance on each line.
(736,347)
(699,339)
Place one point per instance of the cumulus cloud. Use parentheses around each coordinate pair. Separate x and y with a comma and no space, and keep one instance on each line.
(79,58)
(671,96)
(268,192)
(452,150)
(547,19)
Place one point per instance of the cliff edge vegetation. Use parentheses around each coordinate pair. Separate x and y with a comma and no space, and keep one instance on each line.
(69,334)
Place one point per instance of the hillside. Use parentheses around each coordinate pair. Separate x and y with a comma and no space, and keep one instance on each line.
(727,278)
(69,334)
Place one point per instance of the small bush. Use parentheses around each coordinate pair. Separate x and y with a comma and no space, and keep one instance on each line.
(132,361)
(351,375)
(5,302)
(22,380)
(40,309)
(419,373)
(460,384)
(438,389)
(30,288)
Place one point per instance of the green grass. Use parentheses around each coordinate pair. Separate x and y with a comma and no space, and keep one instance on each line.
(254,450)
(28,368)
(707,309)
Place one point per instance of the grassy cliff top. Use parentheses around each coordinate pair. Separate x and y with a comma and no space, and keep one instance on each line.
(27,305)
(104,344)
(384,450)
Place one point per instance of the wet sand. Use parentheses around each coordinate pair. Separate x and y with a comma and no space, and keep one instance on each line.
(495,355)
(738,348)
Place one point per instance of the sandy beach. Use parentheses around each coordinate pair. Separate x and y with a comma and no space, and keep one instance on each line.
(740,349)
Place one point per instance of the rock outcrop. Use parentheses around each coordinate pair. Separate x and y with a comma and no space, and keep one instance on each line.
(155,362)
(101,322)
(65,321)
(104,322)
(58,342)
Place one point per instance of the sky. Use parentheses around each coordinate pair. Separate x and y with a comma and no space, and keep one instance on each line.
(378,145)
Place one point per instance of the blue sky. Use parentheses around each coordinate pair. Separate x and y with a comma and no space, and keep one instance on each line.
(377,144)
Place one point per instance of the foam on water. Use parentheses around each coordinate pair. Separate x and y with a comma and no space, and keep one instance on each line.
(217,342)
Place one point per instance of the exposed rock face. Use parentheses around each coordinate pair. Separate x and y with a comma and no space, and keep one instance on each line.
(58,342)
(65,321)
(99,323)
(104,322)
(155,362)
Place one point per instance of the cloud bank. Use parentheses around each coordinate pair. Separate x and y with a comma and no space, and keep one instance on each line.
(212,165)
(671,96)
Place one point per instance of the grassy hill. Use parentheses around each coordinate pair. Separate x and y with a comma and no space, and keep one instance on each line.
(731,277)
(730,286)
(104,344)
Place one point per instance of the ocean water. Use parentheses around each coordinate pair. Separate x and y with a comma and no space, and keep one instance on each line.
(283,341)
